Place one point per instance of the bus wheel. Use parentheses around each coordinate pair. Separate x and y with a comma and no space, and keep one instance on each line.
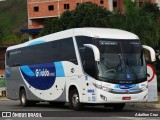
(119,106)
(23,98)
(74,100)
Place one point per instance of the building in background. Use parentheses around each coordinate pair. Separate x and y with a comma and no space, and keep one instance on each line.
(2,59)
(39,10)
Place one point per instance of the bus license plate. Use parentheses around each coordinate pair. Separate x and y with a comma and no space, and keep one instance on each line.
(126,98)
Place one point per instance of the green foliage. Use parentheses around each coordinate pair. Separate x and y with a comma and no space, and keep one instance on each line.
(139,20)
(50,26)
(1,32)
(13,17)
(2,82)
(10,39)
(90,15)
(151,8)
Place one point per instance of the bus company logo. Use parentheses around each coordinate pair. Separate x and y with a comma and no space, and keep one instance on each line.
(127,91)
(43,73)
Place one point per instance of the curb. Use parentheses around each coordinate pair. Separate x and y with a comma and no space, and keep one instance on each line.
(149,105)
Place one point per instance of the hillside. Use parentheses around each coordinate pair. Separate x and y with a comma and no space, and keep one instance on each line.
(13,16)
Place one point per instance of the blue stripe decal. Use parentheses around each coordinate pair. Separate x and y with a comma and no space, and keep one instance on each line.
(124,86)
(39,76)
(59,69)
(27,71)
(7,73)
(7,70)
(36,42)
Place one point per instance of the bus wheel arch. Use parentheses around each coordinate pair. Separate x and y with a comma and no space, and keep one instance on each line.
(74,99)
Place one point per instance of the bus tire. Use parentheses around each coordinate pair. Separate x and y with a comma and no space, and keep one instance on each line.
(74,100)
(118,107)
(23,98)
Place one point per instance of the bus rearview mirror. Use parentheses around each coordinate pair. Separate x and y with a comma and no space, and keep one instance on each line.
(95,51)
(151,55)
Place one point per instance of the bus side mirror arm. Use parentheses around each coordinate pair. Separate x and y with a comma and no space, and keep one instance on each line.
(95,51)
(152,52)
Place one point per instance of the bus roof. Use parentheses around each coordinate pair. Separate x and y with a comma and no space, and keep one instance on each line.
(108,33)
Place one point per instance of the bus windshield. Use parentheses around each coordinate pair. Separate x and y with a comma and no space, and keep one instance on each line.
(121,60)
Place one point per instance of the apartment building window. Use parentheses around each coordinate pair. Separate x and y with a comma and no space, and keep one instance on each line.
(36,9)
(51,7)
(77,4)
(114,3)
(66,6)
(101,1)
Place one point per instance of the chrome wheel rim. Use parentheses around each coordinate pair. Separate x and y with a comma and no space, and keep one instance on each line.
(23,99)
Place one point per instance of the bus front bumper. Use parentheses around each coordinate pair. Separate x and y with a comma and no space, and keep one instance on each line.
(107,97)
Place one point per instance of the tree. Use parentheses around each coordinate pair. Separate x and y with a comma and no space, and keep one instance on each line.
(152,9)
(10,39)
(139,21)
(1,33)
(85,15)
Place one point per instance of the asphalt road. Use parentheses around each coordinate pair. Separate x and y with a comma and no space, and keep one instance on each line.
(89,113)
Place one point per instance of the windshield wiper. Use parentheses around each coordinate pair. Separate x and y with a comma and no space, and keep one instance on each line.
(131,70)
(121,65)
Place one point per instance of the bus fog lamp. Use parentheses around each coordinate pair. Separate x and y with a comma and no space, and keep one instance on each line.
(103,97)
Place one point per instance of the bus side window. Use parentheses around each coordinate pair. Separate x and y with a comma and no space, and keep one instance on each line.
(8,55)
(82,54)
(55,44)
(7,58)
(67,50)
(89,63)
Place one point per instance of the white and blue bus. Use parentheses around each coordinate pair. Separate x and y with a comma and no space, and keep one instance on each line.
(80,66)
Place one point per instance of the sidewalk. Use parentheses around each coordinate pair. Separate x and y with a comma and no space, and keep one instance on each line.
(144,105)
(148,105)
(3,98)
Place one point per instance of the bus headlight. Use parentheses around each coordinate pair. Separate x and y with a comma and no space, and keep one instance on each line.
(144,88)
(102,87)
(106,89)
